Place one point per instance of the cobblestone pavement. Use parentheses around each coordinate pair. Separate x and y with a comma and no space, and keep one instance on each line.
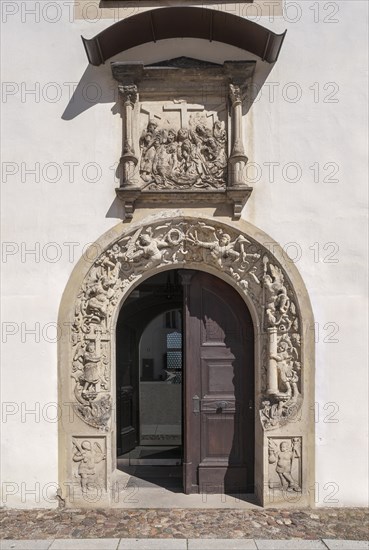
(332,523)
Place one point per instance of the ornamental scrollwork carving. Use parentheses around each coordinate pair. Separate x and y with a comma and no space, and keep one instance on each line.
(180,244)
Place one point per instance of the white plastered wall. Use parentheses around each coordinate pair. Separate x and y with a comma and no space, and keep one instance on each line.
(326,61)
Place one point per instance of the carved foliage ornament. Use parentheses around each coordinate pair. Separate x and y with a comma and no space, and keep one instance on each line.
(180,243)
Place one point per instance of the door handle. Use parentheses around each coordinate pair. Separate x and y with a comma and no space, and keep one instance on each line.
(196,404)
(220,405)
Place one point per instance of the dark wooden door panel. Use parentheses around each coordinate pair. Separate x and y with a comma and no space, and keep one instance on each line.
(219,378)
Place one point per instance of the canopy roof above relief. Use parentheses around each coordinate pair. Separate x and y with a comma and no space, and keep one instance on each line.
(183,22)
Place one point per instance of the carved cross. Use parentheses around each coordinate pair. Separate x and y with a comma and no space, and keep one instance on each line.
(150,114)
(213,117)
(98,336)
(183,107)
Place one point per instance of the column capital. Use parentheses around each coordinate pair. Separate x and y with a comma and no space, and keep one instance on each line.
(129,93)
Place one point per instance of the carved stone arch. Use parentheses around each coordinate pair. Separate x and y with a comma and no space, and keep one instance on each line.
(275,294)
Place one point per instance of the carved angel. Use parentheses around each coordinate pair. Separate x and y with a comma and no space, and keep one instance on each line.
(147,252)
(225,252)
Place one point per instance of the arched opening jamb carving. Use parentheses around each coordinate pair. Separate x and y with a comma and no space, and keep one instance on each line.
(272,290)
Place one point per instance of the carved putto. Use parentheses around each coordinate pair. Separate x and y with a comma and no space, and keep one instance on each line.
(180,243)
(88,454)
(284,457)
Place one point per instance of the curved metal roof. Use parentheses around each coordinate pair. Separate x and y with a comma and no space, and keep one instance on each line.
(183,22)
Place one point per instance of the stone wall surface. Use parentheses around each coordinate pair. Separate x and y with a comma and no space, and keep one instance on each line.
(306,146)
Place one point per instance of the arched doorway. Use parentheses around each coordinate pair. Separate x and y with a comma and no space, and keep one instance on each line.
(185,383)
(269,287)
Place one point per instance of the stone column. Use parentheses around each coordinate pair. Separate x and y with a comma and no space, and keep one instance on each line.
(272,373)
(238,158)
(128,159)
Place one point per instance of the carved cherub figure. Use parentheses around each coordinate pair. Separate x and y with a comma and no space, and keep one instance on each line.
(147,252)
(223,251)
(283,458)
(88,457)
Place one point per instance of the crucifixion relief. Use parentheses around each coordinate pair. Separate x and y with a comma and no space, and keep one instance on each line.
(183,108)
(179,143)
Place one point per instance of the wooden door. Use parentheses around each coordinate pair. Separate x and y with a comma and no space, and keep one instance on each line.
(219,388)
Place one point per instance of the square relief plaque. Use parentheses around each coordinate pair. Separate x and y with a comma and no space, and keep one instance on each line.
(182,133)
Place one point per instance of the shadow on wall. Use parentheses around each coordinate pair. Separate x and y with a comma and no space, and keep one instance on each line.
(95,86)
(98,86)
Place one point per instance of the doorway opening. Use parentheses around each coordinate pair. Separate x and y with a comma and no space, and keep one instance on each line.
(185,385)
(149,382)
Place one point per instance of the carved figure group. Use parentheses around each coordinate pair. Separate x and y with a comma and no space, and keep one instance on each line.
(185,158)
(277,300)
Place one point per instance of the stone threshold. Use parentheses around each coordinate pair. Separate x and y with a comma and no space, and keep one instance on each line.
(183,544)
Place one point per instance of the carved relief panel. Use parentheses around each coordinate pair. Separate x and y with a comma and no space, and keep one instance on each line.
(284,459)
(182,132)
(182,146)
(89,464)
